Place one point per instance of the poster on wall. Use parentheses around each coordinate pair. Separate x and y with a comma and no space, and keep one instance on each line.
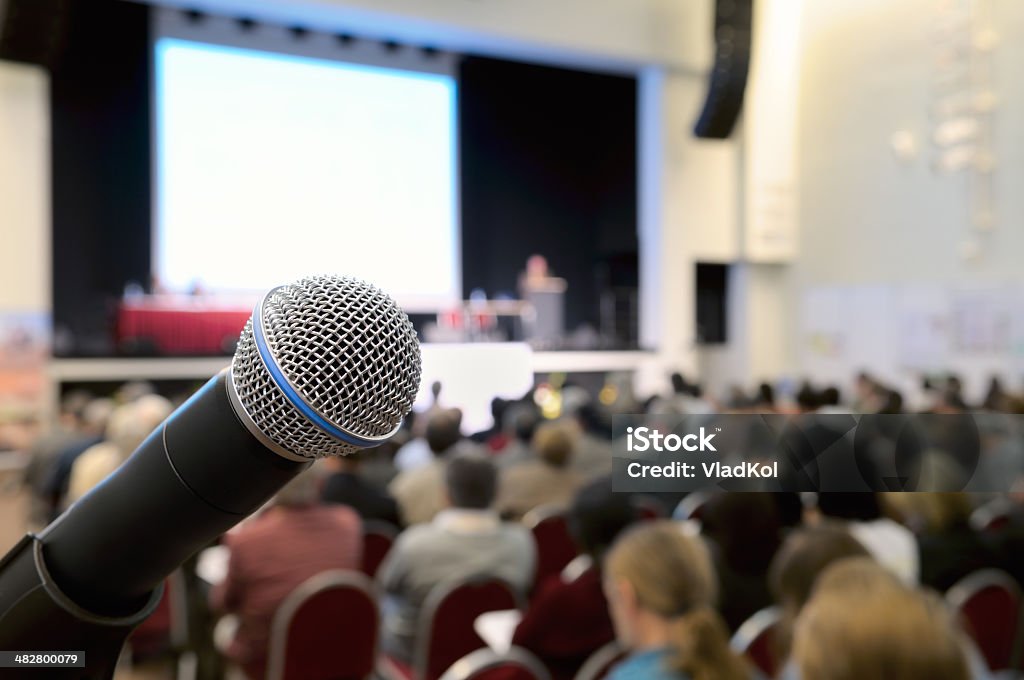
(24,349)
(982,322)
(924,328)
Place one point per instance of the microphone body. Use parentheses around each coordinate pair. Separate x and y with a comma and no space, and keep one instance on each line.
(326,366)
(197,475)
(101,563)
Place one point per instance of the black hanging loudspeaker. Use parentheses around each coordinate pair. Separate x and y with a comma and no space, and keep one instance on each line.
(728,79)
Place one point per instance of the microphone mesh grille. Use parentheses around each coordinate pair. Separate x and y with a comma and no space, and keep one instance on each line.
(348,350)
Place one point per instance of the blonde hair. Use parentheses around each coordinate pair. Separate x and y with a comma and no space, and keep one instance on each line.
(132,423)
(932,511)
(672,576)
(861,622)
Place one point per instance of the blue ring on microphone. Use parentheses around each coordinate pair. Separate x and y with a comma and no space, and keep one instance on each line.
(291,395)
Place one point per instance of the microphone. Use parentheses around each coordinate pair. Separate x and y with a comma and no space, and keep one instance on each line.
(325,366)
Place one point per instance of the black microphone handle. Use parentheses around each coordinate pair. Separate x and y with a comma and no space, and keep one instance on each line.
(194,478)
(100,562)
(36,617)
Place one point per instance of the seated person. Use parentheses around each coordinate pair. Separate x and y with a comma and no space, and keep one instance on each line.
(129,426)
(743,532)
(661,590)
(272,555)
(547,479)
(420,490)
(95,422)
(861,622)
(464,540)
(889,542)
(568,621)
(345,485)
(949,548)
(520,421)
(804,555)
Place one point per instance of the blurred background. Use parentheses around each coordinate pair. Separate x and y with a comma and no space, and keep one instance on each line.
(586,208)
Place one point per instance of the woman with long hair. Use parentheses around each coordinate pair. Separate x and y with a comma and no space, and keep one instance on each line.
(861,622)
(661,590)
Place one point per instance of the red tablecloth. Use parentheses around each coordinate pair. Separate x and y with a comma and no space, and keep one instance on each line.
(180,330)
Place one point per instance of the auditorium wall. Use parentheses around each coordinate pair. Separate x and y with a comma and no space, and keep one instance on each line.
(874,207)
(24,241)
(24,189)
(868,214)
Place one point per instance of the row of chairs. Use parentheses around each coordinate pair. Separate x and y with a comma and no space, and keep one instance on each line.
(548,524)
(302,643)
(993,516)
(311,641)
(328,629)
(555,547)
(988,603)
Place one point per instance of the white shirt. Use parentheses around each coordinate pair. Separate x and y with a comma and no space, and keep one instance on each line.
(414,454)
(892,545)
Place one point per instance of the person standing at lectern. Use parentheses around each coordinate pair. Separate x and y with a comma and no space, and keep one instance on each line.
(544,322)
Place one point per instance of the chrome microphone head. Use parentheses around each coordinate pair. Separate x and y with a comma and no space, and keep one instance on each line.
(325,366)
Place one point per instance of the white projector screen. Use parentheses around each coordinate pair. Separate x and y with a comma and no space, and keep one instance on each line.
(269,167)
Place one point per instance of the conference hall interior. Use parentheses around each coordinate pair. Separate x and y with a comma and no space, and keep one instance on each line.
(511,339)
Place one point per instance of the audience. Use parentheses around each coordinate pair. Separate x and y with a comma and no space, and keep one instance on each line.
(465,539)
(420,491)
(346,486)
(743,531)
(661,591)
(892,544)
(66,431)
(416,453)
(548,479)
(948,548)
(494,438)
(273,554)
(803,556)
(843,571)
(863,623)
(568,619)
(93,426)
(521,420)
(129,426)
(593,457)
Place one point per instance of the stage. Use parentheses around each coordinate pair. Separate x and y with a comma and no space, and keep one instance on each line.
(471,373)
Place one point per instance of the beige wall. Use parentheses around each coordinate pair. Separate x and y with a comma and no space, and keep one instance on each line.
(867,215)
(24,189)
(867,218)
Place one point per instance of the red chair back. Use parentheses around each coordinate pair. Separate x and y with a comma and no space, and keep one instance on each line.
(325,630)
(648,509)
(446,632)
(153,636)
(166,629)
(756,639)
(988,601)
(993,517)
(555,547)
(486,664)
(601,662)
(378,537)
(692,507)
